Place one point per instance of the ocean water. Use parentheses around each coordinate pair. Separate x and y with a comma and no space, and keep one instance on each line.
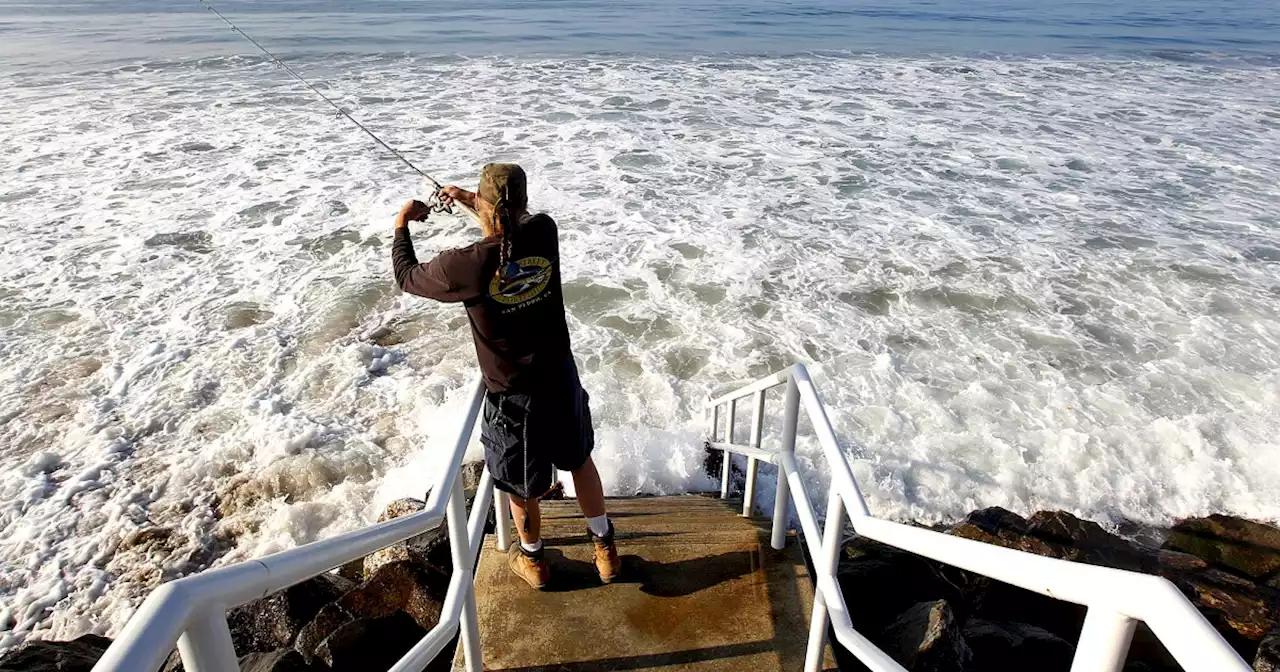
(1029,251)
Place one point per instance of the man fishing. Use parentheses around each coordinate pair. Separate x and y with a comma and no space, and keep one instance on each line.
(536,414)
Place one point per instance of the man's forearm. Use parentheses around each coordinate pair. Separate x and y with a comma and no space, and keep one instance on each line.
(403,258)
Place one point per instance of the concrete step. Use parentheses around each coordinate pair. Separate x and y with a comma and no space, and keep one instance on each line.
(701,590)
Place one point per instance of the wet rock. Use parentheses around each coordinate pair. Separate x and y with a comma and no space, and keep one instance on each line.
(353,571)
(1085,541)
(430,549)
(1268,657)
(395,588)
(372,644)
(77,655)
(1241,610)
(173,663)
(274,622)
(471,473)
(927,637)
(1173,561)
(328,621)
(1002,645)
(1065,528)
(1002,528)
(399,586)
(1221,564)
(286,660)
(1243,546)
(891,579)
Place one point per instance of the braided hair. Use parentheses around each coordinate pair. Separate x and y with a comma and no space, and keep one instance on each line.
(504,223)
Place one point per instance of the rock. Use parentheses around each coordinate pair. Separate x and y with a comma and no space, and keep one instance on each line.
(1173,561)
(328,621)
(926,637)
(285,660)
(1248,548)
(430,549)
(1015,646)
(274,622)
(471,473)
(1002,528)
(1065,528)
(395,588)
(1268,656)
(353,571)
(373,644)
(872,573)
(399,586)
(402,507)
(77,655)
(173,663)
(1242,611)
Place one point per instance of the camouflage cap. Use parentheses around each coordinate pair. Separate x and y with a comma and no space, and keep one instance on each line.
(504,181)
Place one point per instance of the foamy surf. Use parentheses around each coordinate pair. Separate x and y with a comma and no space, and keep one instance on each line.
(1026,283)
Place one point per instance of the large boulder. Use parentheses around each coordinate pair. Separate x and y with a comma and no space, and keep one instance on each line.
(1241,610)
(370,644)
(396,588)
(430,549)
(77,655)
(1003,645)
(1001,527)
(1238,545)
(1268,656)
(273,622)
(926,637)
(880,581)
(1071,538)
(399,586)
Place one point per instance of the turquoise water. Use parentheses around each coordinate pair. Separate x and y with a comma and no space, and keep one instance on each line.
(70,32)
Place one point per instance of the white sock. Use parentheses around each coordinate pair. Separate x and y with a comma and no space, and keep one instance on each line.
(599,525)
(531,548)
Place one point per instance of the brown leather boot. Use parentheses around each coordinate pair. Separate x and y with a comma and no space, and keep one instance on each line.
(607,562)
(532,567)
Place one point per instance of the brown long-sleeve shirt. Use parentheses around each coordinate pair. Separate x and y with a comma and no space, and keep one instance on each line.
(517,317)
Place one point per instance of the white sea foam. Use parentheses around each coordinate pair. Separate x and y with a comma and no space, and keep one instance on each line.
(1020,283)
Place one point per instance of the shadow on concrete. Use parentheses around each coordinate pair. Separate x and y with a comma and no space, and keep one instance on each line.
(660,579)
(654,660)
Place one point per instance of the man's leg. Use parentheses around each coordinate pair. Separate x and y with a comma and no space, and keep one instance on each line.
(586,481)
(528,562)
(528,516)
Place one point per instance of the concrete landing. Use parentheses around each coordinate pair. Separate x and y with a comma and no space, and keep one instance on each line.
(700,590)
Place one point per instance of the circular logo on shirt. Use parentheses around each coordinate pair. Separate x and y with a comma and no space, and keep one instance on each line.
(520,280)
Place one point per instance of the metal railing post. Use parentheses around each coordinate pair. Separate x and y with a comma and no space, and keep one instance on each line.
(502,519)
(782,498)
(832,539)
(459,549)
(728,457)
(1104,641)
(206,644)
(757,425)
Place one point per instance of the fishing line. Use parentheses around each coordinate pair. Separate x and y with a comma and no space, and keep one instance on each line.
(436,204)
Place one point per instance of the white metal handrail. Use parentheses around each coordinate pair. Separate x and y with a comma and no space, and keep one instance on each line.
(1116,599)
(192,611)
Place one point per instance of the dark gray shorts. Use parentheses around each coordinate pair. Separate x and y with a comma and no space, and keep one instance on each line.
(526,436)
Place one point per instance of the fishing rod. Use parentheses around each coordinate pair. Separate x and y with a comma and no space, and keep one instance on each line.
(436,204)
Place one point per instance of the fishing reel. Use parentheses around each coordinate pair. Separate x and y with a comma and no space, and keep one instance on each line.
(436,204)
